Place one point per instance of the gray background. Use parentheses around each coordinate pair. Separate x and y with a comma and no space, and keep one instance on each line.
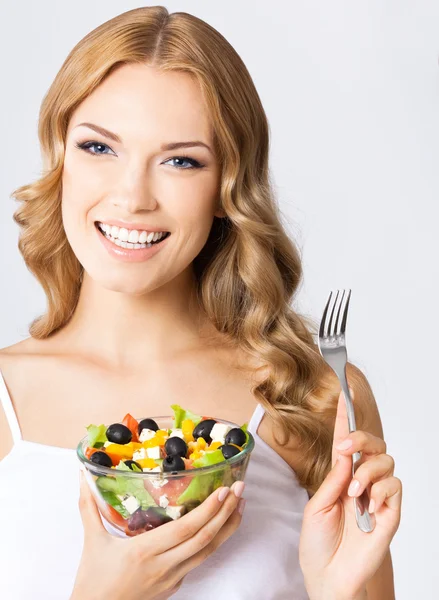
(352,96)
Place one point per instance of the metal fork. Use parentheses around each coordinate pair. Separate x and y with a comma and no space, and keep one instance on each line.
(332,346)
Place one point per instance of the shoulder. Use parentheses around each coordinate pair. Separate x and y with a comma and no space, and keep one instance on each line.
(13,359)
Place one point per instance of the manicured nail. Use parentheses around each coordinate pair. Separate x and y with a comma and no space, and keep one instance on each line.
(241,506)
(371,505)
(354,487)
(223,493)
(238,488)
(344,445)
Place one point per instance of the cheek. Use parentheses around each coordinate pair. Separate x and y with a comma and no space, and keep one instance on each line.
(79,192)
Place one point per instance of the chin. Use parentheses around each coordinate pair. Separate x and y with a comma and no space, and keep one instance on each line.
(124,285)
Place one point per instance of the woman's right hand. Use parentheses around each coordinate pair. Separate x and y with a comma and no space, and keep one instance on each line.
(151,566)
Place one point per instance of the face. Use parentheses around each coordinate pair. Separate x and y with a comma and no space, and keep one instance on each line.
(127,180)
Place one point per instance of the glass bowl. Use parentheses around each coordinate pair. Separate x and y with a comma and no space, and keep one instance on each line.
(158,497)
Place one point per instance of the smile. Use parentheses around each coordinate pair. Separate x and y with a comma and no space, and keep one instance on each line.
(131,239)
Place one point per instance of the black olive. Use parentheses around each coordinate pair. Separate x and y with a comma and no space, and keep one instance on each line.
(173,463)
(148,519)
(235,436)
(119,434)
(147,424)
(203,430)
(229,451)
(101,458)
(175,446)
(130,463)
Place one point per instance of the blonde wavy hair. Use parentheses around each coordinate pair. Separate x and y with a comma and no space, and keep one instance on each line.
(249,269)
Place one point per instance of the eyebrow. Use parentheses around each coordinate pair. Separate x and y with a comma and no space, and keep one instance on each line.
(116,138)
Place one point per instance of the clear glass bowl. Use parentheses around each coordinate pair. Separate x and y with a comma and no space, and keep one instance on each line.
(161,497)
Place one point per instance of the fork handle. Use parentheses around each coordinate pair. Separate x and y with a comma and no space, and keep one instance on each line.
(365,520)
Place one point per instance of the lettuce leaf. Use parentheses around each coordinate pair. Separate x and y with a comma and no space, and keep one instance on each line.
(126,485)
(244,429)
(134,486)
(209,458)
(180,414)
(203,485)
(97,435)
(111,499)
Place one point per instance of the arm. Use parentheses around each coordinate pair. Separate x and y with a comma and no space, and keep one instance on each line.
(381,586)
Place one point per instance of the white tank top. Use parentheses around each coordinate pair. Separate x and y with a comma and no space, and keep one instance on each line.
(41,532)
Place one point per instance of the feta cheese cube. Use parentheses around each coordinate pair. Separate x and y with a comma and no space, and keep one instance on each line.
(107,444)
(219,432)
(131,504)
(175,512)
(140,453)
(154,470)
(146,434)
(157,483)
(153,452)
(163,501)
(177,433)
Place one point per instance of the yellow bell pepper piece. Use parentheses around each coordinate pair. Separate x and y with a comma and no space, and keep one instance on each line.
(201,443)
(122,450)
(214,446)
(187,428)
(146,463)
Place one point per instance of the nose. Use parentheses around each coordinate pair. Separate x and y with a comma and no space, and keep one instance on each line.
(135,192)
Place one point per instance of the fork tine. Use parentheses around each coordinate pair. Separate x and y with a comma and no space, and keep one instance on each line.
(330,332)
(345,314)
(336,332)
(323,321)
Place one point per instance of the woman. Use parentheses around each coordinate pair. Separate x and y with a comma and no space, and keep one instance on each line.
(153,124)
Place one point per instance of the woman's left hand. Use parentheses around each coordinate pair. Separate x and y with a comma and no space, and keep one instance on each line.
(337,558)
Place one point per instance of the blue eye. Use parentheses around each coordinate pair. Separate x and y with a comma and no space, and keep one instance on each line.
(87,147)
(195,164)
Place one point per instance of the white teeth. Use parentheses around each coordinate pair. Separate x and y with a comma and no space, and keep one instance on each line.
(126,238)
(133,236)
(123,234)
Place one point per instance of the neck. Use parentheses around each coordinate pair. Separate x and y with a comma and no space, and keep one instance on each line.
(120,330)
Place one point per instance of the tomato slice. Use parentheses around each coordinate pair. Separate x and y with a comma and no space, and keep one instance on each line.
(130,422)
(113,516)
(115,458)
(89,451)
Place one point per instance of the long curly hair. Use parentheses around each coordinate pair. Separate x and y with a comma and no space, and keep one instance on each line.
(249,268)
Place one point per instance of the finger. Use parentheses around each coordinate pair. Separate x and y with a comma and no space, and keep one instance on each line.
(333,486)
(362,441)
(387,491)
(374,469)
(226,531)
(341,427)
(205,535)
(90,516)
(173,533)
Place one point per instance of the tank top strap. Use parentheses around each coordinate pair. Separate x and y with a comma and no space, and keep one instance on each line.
(256,419)
(8,407)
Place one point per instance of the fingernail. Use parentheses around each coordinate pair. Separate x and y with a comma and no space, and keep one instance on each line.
(344,445)
(371,505)
(354,487)
(238,488)
(241,506)
(223,493)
